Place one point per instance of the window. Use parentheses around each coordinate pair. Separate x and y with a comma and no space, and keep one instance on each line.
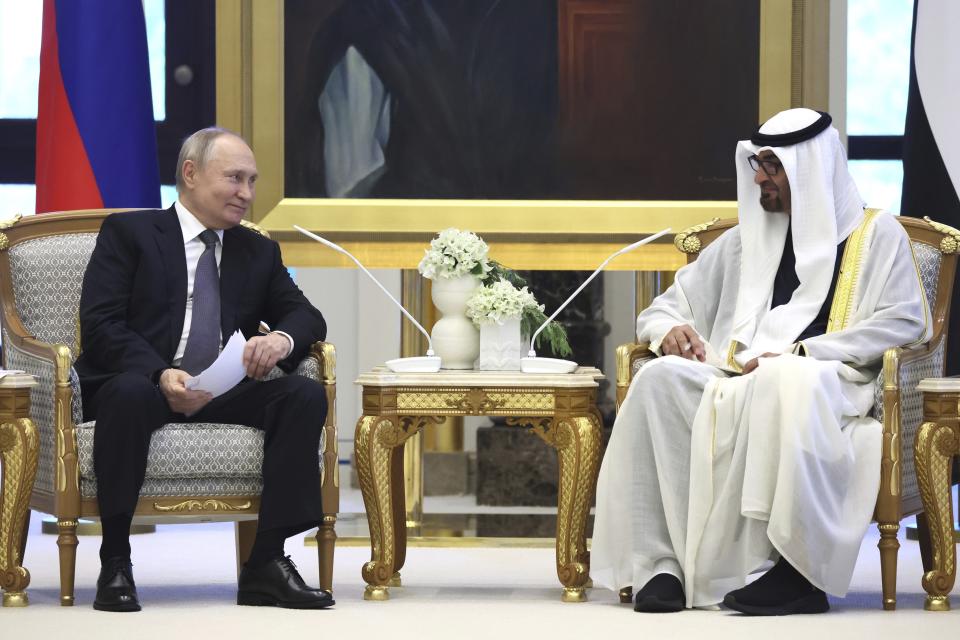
(878,73)
(180,38)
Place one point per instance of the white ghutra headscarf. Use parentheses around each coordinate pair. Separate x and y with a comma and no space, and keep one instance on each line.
(825,208)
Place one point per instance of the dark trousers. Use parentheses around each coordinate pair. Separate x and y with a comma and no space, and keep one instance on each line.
(290,410)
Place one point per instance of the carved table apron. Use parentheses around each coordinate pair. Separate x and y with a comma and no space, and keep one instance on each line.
(559,408)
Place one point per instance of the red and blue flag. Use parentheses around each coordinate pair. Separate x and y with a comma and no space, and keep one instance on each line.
(96,139)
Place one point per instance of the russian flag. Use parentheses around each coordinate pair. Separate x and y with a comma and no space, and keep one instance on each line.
(96,140)
(931,135)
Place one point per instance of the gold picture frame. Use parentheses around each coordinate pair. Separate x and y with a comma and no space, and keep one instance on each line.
(528,234)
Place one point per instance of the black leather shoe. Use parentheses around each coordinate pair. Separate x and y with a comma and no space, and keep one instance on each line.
(662,594)
(116,590)
(277,583)
(782,591)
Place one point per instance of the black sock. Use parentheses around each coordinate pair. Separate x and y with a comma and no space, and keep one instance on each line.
(267,546)
(116,537)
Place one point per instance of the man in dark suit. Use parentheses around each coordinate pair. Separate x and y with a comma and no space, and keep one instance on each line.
(162,292)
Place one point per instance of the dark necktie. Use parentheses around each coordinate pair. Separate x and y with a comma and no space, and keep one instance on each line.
(203,343)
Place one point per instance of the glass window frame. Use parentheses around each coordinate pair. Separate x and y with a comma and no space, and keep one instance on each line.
(190,40)
(875,146)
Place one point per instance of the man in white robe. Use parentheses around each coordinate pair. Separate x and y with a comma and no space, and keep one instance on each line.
(750,439)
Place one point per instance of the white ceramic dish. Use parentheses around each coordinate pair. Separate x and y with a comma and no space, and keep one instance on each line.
(417,364)
(547,365)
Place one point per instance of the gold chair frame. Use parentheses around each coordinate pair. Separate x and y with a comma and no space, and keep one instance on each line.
(892,506)
(66,502)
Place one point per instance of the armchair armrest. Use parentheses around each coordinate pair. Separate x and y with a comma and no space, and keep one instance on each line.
(630,357)
(57,480)
(899,407)
(324,357)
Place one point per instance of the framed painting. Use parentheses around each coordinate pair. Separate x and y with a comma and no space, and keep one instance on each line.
(557,129)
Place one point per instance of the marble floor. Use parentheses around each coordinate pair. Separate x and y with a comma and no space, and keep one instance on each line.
(186,577)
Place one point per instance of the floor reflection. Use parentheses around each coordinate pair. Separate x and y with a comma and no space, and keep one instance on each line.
(466,525)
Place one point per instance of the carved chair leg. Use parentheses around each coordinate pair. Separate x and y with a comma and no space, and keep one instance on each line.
(67,544)
(245,532)
(326,541)
(889,546)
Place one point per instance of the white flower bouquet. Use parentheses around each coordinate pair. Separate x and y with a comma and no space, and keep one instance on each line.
(504,295)
(499,301)
(455,253)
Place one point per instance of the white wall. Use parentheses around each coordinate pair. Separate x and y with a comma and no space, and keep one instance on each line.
(361,323)
(619,294)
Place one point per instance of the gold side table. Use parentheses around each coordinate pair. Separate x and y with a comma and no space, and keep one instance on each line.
(559,408)
(937,442)
(19,446)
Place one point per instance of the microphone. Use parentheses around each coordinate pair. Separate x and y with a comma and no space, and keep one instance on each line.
(533,364)
(429,363)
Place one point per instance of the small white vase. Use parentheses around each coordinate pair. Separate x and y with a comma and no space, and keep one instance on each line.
(501,346)
(455,339)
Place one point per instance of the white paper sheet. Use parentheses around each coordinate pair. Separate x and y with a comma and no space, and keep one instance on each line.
(9,372)
(225,372)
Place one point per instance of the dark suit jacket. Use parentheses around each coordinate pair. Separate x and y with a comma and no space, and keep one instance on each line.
(135,291)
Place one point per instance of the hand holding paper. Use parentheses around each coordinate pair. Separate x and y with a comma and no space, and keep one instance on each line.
(180,399)
(225,372)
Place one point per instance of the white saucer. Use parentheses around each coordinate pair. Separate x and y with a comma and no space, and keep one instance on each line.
(547,365)
(417,364)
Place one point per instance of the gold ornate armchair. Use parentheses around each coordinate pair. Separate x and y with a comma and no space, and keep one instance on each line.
(195,473)
(897,403)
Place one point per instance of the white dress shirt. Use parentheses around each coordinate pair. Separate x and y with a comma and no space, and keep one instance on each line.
(193,247)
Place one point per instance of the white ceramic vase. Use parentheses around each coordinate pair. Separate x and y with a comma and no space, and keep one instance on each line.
(455,339)
(501,346)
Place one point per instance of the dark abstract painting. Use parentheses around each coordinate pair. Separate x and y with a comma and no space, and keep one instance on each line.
(518,99)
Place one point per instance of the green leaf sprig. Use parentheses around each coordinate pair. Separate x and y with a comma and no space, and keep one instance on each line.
(554,333)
